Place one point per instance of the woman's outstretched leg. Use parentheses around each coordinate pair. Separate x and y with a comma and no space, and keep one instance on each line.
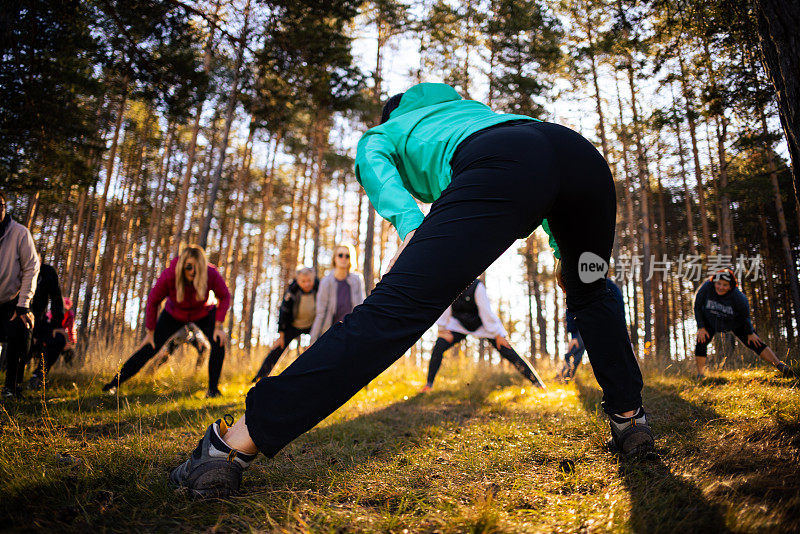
(520,364)
(165,328)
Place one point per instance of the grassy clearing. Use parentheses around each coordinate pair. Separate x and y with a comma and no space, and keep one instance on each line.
(483,453)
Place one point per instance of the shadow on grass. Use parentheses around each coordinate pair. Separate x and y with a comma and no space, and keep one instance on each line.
(662,501)
(128,485)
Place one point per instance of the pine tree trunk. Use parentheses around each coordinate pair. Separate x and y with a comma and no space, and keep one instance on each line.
(641,165)
(778,23)
(230,110)
(791,271)
(101,207)
(191,150)
(701,197)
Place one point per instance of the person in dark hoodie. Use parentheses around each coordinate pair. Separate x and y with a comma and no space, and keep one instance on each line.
(19,269)
(719,306)
(49,338)
(492,178)
(295,316)
(471,314)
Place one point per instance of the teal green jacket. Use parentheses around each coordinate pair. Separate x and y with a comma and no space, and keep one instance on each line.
(409,155)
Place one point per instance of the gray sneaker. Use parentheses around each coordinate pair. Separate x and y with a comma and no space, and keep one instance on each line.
(214,469)
(631,436)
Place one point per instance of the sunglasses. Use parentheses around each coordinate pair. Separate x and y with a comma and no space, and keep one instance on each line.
(189,267)
(343,255)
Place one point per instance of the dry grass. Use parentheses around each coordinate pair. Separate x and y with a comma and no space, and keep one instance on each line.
(482,453)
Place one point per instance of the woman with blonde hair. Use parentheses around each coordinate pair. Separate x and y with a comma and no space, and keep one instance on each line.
(186,284)
(339,292)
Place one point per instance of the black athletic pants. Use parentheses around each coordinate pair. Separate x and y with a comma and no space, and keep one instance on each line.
(166,326)
(17,338)
(275,354)
(506,179)
(506,352)
(701,349)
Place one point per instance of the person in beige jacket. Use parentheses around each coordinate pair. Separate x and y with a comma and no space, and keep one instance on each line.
(339,292)
(19,269)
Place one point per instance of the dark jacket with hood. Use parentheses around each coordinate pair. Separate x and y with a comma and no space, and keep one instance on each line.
(722,313)
(48,290)
(290,303)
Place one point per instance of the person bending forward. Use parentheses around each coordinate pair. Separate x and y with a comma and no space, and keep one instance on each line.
(186,285)
(491,178)
(471,314)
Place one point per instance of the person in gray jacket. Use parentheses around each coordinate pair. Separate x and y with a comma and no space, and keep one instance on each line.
(339,292)
(19,269)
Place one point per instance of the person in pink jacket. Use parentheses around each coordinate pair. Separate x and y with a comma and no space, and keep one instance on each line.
(186,285)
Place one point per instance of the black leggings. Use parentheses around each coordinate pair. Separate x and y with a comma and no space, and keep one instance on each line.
(508,353)
(17,338)
(505,181)
(275,354)
(701,349)
(166,326)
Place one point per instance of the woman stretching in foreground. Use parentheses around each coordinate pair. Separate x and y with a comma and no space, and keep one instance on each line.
(491,179)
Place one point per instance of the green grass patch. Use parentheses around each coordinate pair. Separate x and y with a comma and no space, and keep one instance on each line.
(483,452)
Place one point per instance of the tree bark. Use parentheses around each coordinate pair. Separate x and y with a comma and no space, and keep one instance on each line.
(778,23)
(101,208)
(230,110)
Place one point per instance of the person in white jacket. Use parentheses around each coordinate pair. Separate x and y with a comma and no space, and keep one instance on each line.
(19,269)
(471,314)
(339,292)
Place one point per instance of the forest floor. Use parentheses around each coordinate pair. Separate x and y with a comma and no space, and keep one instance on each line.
(483,452)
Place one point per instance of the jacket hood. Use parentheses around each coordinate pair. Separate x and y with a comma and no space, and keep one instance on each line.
(425,94)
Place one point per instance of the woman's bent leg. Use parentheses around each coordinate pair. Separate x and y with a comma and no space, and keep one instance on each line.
(585,242)
(215,360)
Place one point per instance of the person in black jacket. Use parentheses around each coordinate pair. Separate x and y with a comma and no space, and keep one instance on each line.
(295,317)
(49,338)
(719,306)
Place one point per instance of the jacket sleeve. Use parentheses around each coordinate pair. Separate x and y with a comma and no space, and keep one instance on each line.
(286,311)
(322,307)
(742,308)
(700,299)
(376,171)
(29,267)
(159,292)
(491,322)
(217,284)
(444,319)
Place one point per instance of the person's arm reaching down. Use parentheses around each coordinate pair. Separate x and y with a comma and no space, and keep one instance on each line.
(491,322)
(29,267)
(159,292)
